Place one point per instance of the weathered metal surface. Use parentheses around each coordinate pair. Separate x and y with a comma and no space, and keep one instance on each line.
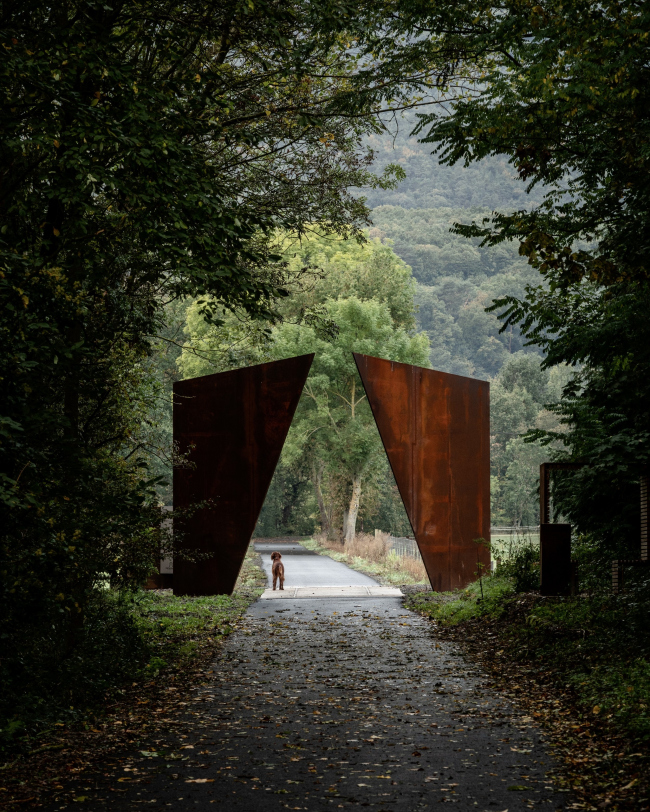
(436,431)
(232,427)
(645,512)
(555,559)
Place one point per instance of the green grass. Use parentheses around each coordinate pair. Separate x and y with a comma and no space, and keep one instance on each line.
(463,605)
(175,628)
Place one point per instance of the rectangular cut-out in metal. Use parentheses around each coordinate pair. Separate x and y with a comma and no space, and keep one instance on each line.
(232,426)
(555,559)
(436,431)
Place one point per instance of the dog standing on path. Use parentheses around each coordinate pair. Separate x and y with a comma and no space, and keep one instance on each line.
(277,569)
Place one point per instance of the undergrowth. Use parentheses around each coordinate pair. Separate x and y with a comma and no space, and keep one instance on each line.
(126,639)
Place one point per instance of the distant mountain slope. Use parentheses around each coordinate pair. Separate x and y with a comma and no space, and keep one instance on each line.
(491,183)
(457,279)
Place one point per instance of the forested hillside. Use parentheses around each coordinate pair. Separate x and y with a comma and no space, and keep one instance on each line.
(491,183)
(457,280)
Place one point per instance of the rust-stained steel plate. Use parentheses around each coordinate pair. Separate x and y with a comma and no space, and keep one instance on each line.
(232,426)
(555,559)
(436,431)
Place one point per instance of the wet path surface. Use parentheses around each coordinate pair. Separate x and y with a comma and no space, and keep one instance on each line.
(303,567)
(325,705)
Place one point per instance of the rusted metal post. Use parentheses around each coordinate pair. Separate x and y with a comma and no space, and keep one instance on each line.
(435,428)
(231,427)
(544,493)
(644,515)
(555,559)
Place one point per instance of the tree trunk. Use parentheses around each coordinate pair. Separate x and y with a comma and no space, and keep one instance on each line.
(350,528)
(317,478)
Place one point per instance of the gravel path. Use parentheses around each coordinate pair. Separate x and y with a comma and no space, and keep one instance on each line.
(327,705)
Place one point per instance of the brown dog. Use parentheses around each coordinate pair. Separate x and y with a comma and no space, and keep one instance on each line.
(277,568)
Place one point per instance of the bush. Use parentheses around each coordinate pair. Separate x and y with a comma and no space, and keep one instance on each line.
(47,676)
(522,568)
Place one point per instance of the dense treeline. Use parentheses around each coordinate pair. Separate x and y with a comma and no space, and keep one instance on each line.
(491,183)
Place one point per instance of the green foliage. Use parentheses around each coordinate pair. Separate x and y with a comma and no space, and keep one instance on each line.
(602,646)
(45,679)
(522,567)
(346,268)
(458,607)
(457,279)
(539,83)
(290,507)
(602,416)
(147,156)
(430,184)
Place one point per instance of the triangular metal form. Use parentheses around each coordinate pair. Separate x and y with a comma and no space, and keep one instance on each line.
(435,428)
(231,428)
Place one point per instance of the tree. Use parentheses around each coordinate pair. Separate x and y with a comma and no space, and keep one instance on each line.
(151,151)
(381,285)
(602,417)
(334,424)
(517,398)
(561,90)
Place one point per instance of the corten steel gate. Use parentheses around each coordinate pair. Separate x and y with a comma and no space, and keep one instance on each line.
(436,431)
(232,427)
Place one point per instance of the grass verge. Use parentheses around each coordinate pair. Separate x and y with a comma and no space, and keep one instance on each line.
(180,639)
(581,666)
(372,557)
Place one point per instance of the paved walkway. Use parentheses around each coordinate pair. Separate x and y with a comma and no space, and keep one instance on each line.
(303,567)
(335,704)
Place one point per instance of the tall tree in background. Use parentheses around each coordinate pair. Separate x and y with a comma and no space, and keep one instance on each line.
(334,424)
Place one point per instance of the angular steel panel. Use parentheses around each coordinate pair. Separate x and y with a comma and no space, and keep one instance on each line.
(436,431)
(232,426)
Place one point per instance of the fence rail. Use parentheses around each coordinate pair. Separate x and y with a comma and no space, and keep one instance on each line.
(404,547)
(408,548)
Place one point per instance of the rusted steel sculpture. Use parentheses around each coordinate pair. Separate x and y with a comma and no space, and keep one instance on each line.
(435,428)
(231,426)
